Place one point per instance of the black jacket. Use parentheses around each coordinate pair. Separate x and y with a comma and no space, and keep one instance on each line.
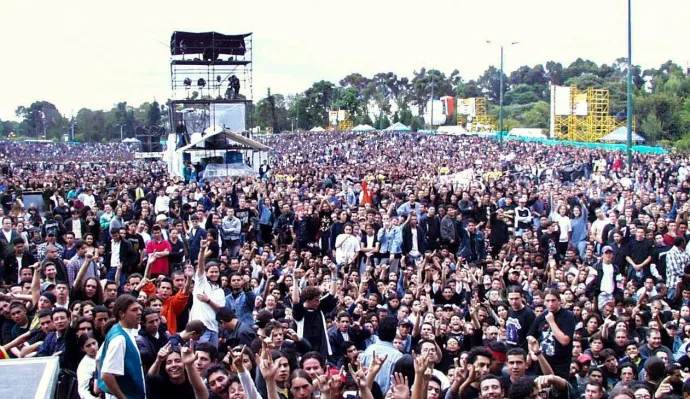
(10,269)
(149,346)
(407,239)
(69,227)
(128,256)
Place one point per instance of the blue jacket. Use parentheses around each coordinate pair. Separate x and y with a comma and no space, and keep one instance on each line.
(51,345)
(243,306)
(195,244)
(465,249)
(391,240)
(132,382)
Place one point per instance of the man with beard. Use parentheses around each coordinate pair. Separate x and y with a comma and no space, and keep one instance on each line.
(479,362)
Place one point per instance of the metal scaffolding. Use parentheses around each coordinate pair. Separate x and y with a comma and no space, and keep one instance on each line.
(590,117)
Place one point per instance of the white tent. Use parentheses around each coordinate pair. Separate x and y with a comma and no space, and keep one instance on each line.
(397,127)
(318,129)
(363,128)
(621,135)
(131,140)
(527,132)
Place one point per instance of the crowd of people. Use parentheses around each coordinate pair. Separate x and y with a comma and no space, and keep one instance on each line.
(392,265)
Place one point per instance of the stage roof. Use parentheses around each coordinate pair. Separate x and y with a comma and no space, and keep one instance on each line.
(197,43)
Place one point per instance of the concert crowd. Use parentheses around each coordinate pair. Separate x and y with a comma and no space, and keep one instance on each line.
(382,265)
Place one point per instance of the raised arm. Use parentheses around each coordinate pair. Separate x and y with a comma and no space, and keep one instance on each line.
(197,383)
(295,290)
(36,284)
(83,269)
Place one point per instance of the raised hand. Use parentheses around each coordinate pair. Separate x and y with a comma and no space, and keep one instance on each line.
(237,360)
(359,376)
(164,351)
(400,386)
(187,353)
(267,366)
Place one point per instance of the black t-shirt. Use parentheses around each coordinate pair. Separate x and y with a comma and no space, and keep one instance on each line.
(137,241)
(638,251)
(177,253)
(558,356)
(161,387)
(517,327)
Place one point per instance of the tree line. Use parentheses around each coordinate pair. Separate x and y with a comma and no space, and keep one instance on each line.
(42,120)
(661,97)
(661,102)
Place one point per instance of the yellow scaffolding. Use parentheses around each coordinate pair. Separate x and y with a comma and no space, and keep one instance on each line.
(345,125)
(482,121)
(590,117)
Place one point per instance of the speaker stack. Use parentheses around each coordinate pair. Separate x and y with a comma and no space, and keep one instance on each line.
(150,137)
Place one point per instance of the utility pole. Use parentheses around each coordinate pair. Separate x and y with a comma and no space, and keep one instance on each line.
(629,108)
(500,96)
(432,101)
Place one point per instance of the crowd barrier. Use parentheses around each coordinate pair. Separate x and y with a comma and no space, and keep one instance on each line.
(642,149)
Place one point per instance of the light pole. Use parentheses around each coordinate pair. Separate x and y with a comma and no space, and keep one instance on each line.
(122,126)
(629,109)
(500,96)
(432,101)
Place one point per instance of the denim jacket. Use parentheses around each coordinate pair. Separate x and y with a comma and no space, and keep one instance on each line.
(391,240)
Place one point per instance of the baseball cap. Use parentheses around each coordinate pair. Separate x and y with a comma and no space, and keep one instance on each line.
(47,286)
(583,358)
(160,218)
(405,322)
(606,249)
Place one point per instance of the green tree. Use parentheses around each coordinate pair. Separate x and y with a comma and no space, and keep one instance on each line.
(154,114)
(651,128)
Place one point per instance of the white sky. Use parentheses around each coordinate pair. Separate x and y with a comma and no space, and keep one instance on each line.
(95,53)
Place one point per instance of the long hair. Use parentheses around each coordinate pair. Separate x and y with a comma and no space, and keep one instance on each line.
(122,304)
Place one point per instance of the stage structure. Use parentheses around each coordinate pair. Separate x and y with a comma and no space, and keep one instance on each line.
(472,114)
(581,115)
(339,121)
(211,81)
(219,153)
(212,87)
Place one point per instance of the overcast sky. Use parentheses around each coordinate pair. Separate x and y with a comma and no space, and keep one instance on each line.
(93,54)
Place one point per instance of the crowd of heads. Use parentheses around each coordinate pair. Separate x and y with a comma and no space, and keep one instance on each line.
(374,265)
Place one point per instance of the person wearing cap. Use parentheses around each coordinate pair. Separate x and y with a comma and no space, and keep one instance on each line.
(605,283)
(17,259)
(162,222)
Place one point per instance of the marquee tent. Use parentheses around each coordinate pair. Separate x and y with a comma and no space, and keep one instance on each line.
(318,129)
(363,128)
(397,127)
(621,135)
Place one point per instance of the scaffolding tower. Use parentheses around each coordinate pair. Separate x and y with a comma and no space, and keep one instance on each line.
(473,114)
(590,117)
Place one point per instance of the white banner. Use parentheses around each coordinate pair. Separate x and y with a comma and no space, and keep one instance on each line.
(143,155)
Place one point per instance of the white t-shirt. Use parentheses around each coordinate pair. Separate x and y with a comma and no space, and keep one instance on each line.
(564,227)
(203,311)
(114,360)
(607,283)
(346,251)
(415,249)
(115,253)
